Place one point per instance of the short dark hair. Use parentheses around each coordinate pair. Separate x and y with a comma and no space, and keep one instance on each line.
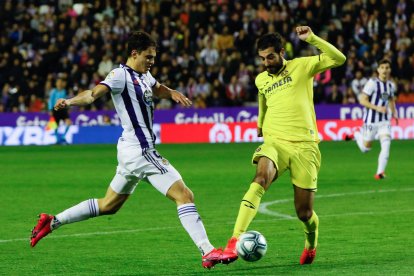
(140,41)
(274,40)
(384,61)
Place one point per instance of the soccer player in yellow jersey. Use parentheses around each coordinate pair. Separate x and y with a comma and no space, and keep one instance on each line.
(287,122)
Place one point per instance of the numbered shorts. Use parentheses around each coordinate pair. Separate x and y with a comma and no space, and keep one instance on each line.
(303,159)
(371,132)
(135,164)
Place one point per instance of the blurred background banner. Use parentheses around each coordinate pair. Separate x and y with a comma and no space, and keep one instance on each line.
(238,132)
(192,115)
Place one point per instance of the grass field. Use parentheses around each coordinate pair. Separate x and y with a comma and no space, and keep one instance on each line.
(366,226)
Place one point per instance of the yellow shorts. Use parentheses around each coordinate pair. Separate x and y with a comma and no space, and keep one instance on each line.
(303,159)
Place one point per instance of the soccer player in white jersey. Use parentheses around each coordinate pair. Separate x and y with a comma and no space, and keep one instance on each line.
(132,88)
(378,99)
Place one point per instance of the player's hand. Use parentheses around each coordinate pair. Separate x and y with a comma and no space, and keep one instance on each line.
(178,97)
(259,132)
(303,32)
(382,109)
(61,104)
(395,116)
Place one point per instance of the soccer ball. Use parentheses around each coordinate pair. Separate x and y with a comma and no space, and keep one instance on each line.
(251,246)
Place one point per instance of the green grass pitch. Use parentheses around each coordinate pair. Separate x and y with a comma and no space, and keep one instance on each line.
(366,226)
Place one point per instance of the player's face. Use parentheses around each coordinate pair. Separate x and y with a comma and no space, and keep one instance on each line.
(142,61)
(384,71)
(271,60)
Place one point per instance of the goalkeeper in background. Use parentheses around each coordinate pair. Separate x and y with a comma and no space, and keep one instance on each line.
(287,123)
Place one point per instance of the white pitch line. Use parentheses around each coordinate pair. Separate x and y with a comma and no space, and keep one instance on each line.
(265,204)
(96,233)
(263,209)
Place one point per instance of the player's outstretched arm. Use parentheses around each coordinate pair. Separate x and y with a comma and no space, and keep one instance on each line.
(330,57)
(84,98)
(162,91)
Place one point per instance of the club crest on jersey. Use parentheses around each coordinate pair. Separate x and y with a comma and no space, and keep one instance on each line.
(110,75)
(147,97)
(258,149)
(165,162)
(284,73)
(385,96)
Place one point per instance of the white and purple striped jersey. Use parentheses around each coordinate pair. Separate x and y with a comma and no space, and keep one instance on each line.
(131,93)
(379,94)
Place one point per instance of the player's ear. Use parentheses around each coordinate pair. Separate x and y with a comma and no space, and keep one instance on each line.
(282,52)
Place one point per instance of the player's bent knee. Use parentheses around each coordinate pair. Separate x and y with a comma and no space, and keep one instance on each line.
(187,195)
(109,208)
(263,181)
(110,211)
(304,215)
(180,193)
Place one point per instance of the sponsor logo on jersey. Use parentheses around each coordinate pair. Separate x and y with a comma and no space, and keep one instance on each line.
(258,149)
(281,83)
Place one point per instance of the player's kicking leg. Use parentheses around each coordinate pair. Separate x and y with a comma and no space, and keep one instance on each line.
(188,215)
(42,228)
(230,252)
(265,173)
(248,209)
(90,208)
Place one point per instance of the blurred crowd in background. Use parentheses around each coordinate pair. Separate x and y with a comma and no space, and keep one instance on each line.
(206,48)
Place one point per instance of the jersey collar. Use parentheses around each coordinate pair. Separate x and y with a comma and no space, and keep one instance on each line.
(126,66)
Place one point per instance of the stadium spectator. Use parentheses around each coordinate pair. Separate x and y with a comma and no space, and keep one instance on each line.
(137,157)
(321,81)
(334,96)
(105,66)
(406,95)
(209,56)
(349,97)
(235,92)
(78,36)
(358,82)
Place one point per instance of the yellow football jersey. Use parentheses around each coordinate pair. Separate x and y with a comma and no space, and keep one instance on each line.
(286,108)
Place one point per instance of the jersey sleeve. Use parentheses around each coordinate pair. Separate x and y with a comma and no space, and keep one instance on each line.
(259,82)
(330,56)
(115,80)
(369,87)
(152,81)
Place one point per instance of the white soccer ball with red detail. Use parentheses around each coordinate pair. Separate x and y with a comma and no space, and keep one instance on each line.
(251,246)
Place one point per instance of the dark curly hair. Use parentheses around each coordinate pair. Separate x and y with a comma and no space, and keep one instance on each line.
(270,40)
(140,41)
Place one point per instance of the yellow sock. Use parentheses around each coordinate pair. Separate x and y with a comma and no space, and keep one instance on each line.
(311,231)
(248,208)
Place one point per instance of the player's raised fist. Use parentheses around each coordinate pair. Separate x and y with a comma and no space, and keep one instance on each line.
(303,32)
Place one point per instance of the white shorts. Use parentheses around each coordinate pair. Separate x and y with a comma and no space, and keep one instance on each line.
(134,164)
(371,132)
